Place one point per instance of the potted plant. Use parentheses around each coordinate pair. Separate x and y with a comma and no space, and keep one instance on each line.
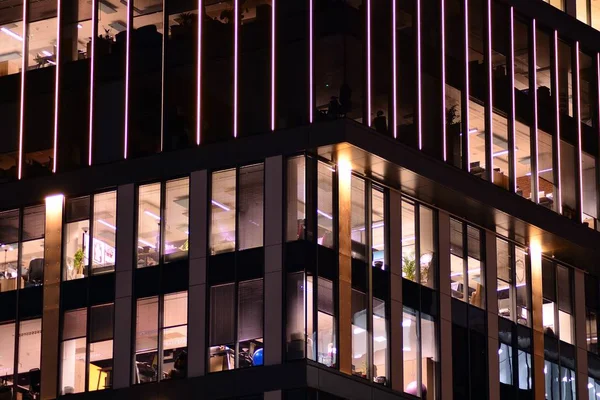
(78,263)
(187,25)
(409,267)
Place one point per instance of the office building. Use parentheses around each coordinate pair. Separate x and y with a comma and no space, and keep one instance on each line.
(299,199)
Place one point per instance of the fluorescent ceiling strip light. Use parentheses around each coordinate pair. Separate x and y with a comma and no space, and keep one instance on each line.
(103,222)
(220,205)
(11,34)
(540,171)
(324,214)
(501,153)
(145,242)
(151,214)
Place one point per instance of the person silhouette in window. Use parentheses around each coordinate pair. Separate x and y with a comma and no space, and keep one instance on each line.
(380,122)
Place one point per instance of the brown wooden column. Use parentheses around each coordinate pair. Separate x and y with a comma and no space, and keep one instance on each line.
(345,266)
(51,294)
(535,254)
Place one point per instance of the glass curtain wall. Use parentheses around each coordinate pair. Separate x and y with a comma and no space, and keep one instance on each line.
(163,222)
(161,338)
(38,130)
(9,247)
(420,354)
(418,238)
(381,66)
(454,86)
(32,246)
(12,30)
(87,352)
(217,96)
(405,128)
(339,54)
(144,122)
(467,280)
(181,76)
(77,31)
(557,307)
(236,325)
(108,133)
(29,357)
(513,287)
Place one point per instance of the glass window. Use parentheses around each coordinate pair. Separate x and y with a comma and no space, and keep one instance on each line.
(297,295)
(565,305)
(420,354)
(251,206)
(32,247)
(223,210)
(30,349)
(146,341)
(7,354)
(326,344)
(9,250)
(567,384)
(591,330)
(73,352)
(296,198)
(76,238)
(504,282)
(380,342)
(557,301)
(149,220)
(222,328)
(359,334)
(177,205)
(475,267)
(409,241)
(250,323)
(589,188)
(12,43)
(595,13)
(525,370)
(104,233)
(457,264)
(174,335)
(428,256)
(378,236)
(466,260)
(506,364)
(357,219)
(325,206)
(101,347)
(523,287)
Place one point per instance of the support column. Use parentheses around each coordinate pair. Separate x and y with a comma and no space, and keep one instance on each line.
(51,296)
(395,245)
(273,324)
(345,265)
(580,333)
(535,254)
(123,356)
(445,305)
(197,284)
(491,273)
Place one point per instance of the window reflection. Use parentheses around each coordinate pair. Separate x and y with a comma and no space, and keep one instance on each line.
(30,349)
(250,207)
(149,221)
(419,354)
(325,209)
(223,206)
(9,250)
(296,198)
(177,198)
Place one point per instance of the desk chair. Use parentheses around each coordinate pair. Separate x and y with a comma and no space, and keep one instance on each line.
(35,274)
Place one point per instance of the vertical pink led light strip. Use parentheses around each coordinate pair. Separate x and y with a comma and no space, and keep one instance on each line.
(162,81)
(443,45)
(490,90)
(22,100)
(578,120)
(419,89)
(394,66)
(127,62)
(310,61)
(466,134)
(92,61)
(369,63)
(557,121)
(535,174)
(199,73)
(56,82)
(235,66)
(273,64)
(513,131)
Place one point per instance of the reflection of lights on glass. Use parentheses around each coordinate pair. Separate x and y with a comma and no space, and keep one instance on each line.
(426,258)
(406,348)
(220,205)
(324,214)
(406,323)
(11,34)
(151,214)
(358,331)
(379,339)
(111,226)
(499,351)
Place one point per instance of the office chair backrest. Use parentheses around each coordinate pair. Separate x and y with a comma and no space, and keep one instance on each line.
(36,270)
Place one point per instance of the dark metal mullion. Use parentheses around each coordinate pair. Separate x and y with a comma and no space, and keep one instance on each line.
(556,134)
(369,265)
(18,289)
(465,260)
(465,162)
(512,287)
(533,132)
(386,255)
(576,88)
(88,343)
(417,221)
(488,104)
(596,124)
(510,61)
(235,274)
(161,224)
(159,347)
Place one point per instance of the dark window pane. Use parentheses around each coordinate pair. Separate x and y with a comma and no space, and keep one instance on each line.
(74,324)
(101,323)
(34,222)
(222,314)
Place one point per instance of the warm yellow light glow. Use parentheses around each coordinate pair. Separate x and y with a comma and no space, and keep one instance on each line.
(344,166)
(535,249)
(54,203)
